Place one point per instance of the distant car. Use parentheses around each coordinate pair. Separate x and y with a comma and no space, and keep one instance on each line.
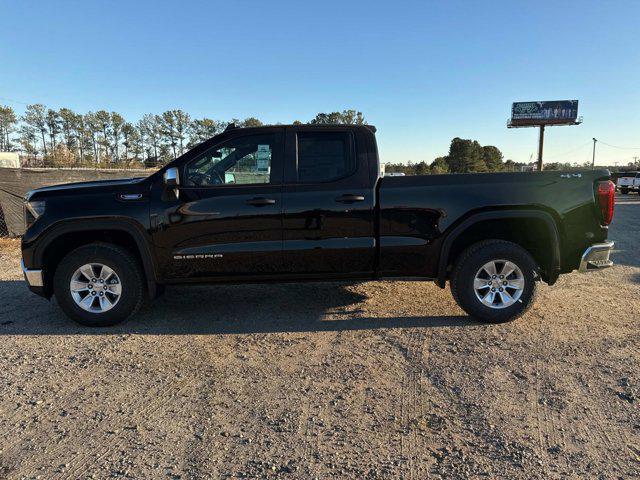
(628,182)
(394,174)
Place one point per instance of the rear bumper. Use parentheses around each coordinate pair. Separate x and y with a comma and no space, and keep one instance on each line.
(596,257)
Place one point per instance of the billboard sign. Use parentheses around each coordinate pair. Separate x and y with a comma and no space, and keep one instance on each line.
(557,112)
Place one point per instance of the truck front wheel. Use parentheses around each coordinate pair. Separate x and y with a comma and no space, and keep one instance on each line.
(494,281)
(99,285)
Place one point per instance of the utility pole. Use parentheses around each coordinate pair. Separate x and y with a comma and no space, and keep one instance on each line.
(540,145)
(593,159)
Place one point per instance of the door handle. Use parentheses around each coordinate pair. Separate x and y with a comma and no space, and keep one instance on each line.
(348,198)
(130,196)
(260,201)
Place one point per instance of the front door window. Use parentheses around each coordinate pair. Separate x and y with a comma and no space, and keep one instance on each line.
(240,161)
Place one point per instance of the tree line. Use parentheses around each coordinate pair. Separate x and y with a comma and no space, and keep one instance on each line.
(465,156)
(468,156)
(106,139)
(58,138)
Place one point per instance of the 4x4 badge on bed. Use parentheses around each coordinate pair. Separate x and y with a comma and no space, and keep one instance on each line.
(569,175)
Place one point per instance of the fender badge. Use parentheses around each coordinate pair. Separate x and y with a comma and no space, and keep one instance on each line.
(197,256)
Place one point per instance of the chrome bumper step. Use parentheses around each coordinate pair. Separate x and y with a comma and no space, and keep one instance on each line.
(596,257)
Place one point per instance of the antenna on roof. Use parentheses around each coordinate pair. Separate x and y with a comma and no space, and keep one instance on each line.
(231,126)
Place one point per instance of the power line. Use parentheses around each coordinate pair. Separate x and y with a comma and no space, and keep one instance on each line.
(4,99)
(569,151)
(616,146)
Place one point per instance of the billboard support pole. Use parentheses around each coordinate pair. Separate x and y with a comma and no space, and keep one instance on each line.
(541,114)
(540,146)
(593,159)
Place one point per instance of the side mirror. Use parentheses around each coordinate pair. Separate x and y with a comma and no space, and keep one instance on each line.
(171,177)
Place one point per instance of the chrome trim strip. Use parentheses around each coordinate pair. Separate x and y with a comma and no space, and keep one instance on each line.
(596,257)
(33,277)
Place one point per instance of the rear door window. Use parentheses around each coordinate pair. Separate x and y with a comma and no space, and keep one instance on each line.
(325,156)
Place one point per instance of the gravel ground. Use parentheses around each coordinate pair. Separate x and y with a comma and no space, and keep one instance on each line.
(372,380)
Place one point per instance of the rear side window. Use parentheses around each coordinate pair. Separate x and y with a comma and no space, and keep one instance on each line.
(324,156)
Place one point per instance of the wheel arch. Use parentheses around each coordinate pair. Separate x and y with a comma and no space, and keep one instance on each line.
(541,238)
(65,237)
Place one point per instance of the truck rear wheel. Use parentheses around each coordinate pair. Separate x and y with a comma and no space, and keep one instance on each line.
(99,285)
(494,281)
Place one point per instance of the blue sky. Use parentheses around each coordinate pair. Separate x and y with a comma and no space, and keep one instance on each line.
(422,72)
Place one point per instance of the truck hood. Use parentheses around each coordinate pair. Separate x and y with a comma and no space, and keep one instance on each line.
(83,187)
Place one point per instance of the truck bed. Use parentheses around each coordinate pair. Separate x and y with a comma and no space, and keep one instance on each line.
(419,211)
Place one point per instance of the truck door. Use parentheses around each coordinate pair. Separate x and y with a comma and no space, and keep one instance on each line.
(227,218)
(328,204)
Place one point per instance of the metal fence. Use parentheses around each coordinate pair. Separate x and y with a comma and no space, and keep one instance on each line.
(16,182)
(4,230)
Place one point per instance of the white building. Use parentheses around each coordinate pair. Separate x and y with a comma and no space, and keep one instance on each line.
(9,160)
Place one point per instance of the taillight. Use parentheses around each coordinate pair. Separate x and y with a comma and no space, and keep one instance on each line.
(606,199)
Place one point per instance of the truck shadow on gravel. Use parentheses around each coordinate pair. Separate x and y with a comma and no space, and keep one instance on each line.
(218,310)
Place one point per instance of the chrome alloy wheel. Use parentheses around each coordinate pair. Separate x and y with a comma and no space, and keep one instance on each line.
(95,288)
(499,284)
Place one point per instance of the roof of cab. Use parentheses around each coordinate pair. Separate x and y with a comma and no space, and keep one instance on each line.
(232,126)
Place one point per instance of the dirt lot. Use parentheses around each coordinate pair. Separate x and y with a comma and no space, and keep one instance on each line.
(377,380)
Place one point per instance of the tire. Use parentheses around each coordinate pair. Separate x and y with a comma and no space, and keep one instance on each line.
(624,191)
(470,265)
(126,277)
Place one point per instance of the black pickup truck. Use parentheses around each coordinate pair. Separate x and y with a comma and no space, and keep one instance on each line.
(307,203)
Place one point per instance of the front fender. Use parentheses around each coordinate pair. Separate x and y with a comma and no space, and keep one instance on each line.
(34,248)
